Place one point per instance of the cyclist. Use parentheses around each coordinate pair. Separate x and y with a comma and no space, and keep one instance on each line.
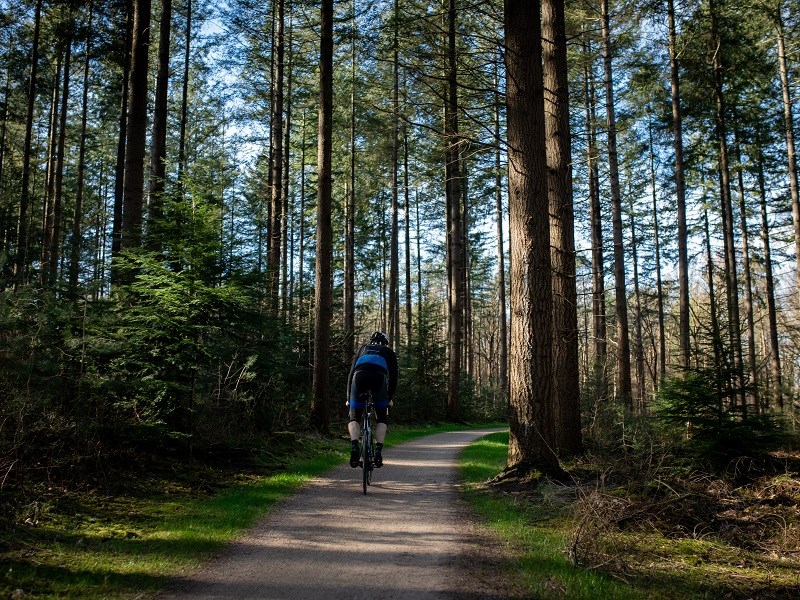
(374,369)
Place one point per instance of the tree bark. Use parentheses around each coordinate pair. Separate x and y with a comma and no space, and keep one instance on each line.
(137,130)
(75,248)
(788,119)
(662,338)
(726,209)
(502,342)
(752,367)
(455,240)
(320,417)
(21,258)
(566,386)
(276,180)
(119,175)
(158,155)
(185,97)
(621,297)
(680,192)
(599,328)
(50,175)
(530,369)
(394,241)
(772,319)
(350,206)
(58,199)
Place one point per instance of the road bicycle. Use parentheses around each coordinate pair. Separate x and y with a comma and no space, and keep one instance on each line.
(367,461)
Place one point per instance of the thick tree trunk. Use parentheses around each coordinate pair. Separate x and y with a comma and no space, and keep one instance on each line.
(566,386)
(531,370)
(621,296)
(455,240)
(680,192)
(320,417)
(137,130)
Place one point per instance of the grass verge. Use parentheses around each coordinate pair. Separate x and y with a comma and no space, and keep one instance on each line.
(639,562)
(128,541)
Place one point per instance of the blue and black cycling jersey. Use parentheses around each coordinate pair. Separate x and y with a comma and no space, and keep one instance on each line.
(370,361)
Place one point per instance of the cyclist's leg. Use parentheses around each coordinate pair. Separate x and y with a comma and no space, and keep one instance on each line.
(381,396)
(354,428)
(354,425)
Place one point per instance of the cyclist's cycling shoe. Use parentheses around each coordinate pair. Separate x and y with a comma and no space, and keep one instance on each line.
(378,459)
(354,456)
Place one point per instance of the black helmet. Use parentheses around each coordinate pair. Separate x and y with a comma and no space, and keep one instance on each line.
(379,338)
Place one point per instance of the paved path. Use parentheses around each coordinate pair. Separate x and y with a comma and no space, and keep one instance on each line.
(411,537)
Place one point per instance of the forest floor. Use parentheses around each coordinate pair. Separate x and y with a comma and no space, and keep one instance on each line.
(660,531)
(632,530)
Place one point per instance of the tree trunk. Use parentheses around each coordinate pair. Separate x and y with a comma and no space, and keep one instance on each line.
(455,254)
(276,162)
(638,342)
(716,335)
(185,97)
(137,130)
(21,258)
(394,243)
(623,341)
(752,379)
(50,178)
(350,219)
(788,119)
(407,208)
(770,291)
(158,155)
(566,386)
(75,248)
(599,329)
(320,418)
(58,199)
(119,175)
(531,373)
(502,342)
(680,192)
(285,254)
(726,208)
(662,338)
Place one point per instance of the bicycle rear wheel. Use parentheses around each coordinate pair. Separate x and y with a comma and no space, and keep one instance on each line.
(366,461)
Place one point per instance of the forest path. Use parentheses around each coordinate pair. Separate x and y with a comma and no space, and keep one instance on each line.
(411,537)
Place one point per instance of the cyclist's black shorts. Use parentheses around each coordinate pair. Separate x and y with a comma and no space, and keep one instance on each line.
(369,379)
(381,413)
